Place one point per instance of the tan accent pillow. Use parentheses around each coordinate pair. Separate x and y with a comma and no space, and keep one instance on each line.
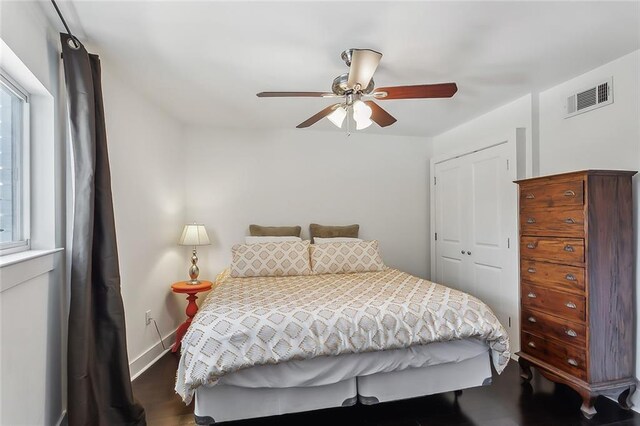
(274,231)
(344,258)
(270,259)
(323,231)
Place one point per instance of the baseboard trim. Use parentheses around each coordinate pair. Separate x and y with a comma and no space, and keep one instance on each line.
(153,354)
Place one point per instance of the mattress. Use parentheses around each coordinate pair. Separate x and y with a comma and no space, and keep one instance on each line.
(326,370)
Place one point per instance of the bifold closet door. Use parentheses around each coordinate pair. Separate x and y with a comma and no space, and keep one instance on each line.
(476,217)
(451,223)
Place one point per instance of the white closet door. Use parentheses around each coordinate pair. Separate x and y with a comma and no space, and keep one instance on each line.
(476,198)
(491,214)
(450,224)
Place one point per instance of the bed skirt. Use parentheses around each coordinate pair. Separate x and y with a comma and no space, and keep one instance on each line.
(226,403)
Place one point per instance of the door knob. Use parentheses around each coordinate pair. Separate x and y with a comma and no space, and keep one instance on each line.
(469,253)
(462,251)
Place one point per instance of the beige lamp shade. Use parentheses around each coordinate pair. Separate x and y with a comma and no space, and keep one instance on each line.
(194,234)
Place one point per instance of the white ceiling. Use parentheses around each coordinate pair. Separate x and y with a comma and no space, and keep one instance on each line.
(205,61)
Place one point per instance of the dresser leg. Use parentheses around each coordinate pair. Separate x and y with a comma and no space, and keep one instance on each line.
(624,399)
(588,402)
(525,370)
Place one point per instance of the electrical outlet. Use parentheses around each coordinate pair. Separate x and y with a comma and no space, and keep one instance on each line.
(147,317)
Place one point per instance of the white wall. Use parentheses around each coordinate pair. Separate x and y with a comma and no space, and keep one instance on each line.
(296,177)
(488,129)
(146,153)
(32,313)
(605,138)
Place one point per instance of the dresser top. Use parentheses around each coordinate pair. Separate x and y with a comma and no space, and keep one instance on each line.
(589,172)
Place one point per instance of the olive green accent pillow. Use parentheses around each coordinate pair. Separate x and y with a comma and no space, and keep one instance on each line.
(322,231)
(274,231)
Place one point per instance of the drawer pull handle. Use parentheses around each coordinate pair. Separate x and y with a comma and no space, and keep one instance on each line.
(533,345)
(531,220)
(571,333)
(531,295)
(572,362)
(570,305)
(531,246)
(570,221)
(569,248)
(569,193)
(532,319)
(529,196)
(570,277)
(531,270)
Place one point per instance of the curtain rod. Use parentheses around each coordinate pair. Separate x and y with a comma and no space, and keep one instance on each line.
(76,44)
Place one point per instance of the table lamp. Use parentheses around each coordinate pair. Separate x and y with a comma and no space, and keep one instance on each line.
(194,235)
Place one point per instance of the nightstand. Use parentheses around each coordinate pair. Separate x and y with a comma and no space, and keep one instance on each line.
(191,290)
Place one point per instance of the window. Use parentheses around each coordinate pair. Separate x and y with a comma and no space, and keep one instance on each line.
(14,150)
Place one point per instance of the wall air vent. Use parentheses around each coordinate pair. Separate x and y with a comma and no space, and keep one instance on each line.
(590,98)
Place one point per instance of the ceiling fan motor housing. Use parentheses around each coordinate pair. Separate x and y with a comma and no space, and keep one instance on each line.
(340,86)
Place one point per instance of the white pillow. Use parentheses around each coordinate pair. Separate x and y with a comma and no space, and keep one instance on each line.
(318,240)
(256,240)
(344,258)
(270,259)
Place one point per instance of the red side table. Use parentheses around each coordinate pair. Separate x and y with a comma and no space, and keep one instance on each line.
(191,290)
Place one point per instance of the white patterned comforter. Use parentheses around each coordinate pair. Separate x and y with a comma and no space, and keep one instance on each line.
(246,322)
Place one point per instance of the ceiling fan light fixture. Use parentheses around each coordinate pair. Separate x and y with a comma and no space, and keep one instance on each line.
(361,111)
(337,116)
(363,123)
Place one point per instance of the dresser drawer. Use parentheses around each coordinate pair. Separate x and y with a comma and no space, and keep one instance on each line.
(563,193)
(566,305)
(565,357)
(553,222)
(559,277)
(542,324)
(558,250)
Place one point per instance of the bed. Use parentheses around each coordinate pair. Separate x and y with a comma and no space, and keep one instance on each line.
(265,346)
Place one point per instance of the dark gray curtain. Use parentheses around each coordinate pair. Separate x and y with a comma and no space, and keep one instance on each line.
(99,386)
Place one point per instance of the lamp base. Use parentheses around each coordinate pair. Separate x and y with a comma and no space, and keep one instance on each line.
(194,271)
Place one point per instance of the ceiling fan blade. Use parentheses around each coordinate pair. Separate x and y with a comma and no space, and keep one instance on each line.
(443,90)
(295,95)
(379,115)
(319,116)
(364,63)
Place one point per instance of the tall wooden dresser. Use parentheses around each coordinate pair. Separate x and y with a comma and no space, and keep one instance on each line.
(576,289)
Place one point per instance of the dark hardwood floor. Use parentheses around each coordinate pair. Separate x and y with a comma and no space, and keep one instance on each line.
(504,403)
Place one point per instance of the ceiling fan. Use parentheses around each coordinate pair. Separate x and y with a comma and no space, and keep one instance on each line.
(358,90)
